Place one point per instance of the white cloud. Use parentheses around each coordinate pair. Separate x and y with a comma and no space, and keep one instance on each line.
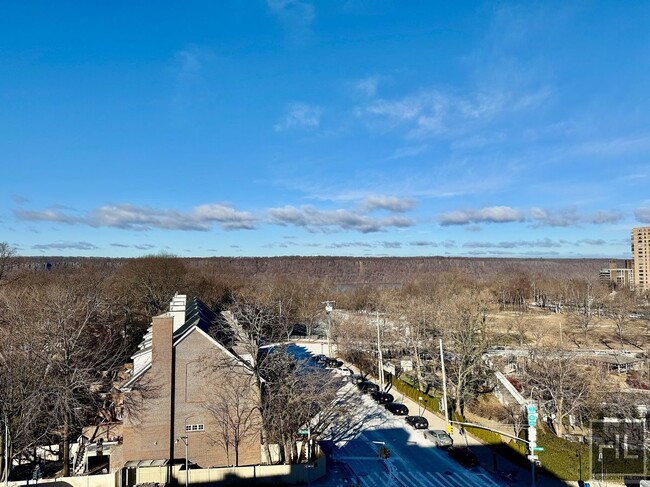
(300,115)
(367,86)
(132,217)
(493,214)
(390,203)
(404,152)
(65,246)
(566,217)
(542,243)
(49,215)
(642,214)
(315,220)
(296,15)
(437,113)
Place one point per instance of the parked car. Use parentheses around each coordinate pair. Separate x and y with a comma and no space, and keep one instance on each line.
(397,408)
(367,387)
(357,378)
(382,397)
(439,438)
(464,456)
(418,422)
(320,358)
(332,363)
(345,371)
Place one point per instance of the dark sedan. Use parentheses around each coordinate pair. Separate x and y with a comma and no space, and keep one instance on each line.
(367,386)
(396,408)
(357,378)
(418,422)
(382,397)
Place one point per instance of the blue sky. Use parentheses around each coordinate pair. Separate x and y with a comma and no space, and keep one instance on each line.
(290,127)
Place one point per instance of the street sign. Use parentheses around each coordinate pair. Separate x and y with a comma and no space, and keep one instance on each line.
(532,434)
(532,414)
(538,448)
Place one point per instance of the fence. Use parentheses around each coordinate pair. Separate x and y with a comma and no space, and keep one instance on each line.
(106,480)
(173,475)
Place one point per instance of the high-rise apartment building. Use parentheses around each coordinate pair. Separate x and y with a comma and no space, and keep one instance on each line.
(641,255)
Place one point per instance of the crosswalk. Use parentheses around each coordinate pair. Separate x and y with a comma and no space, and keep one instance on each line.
(429,479)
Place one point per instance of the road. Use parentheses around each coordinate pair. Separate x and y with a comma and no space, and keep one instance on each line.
(362,426)
(413,462)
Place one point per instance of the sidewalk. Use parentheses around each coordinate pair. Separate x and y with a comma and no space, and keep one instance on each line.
(517,476)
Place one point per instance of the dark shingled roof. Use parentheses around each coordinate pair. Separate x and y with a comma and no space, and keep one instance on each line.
(198,314)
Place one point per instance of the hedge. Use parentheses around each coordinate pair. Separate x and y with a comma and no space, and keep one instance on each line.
(561,458)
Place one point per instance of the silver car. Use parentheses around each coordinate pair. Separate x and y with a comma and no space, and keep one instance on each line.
(439,438)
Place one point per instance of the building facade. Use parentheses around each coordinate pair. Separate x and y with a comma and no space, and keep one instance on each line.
(619,273)
(190,388)
(641,256)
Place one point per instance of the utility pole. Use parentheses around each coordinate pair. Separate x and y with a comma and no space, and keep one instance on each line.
(380,356)
(329,307)
(444,386)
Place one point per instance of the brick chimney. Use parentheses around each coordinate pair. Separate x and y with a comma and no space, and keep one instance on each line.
(162,373)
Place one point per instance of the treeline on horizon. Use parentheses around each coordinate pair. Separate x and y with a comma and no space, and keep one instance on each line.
(391,271)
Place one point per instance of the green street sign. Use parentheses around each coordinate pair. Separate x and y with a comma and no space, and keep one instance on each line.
(538,448)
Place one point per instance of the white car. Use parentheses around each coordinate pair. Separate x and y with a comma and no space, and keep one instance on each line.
(345,371)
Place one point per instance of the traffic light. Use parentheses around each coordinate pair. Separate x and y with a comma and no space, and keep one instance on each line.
(450,429)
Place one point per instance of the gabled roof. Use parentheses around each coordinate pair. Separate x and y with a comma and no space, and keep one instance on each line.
(197,317)
(196,314)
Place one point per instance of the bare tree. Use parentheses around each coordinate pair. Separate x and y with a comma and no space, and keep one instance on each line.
(513,414)
(7,254)
(520,324)
(255,324)
(294,395)
(356,339)
(235,407)
(562,387)
(467,340)
(23,419)
(76,346)
(144,285)
(619,309)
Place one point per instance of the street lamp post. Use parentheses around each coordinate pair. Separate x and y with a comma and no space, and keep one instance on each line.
(444,387)
(329,307)
(420,406)
(186,442)
(380,356)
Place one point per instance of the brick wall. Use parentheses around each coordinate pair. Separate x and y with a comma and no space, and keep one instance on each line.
(209,389)
(147,434)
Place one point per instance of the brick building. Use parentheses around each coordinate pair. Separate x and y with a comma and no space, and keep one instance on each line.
(189,384)
(641,255)
(619,273)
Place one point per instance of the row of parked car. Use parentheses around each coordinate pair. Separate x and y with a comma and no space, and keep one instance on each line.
(439,438)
